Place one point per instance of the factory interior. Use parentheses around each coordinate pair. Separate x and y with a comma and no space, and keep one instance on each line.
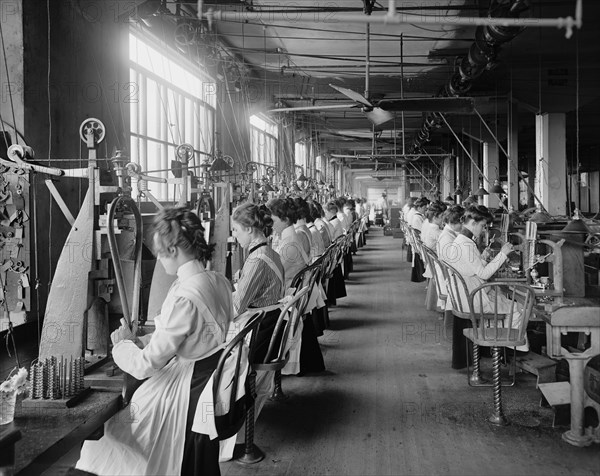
(360,133)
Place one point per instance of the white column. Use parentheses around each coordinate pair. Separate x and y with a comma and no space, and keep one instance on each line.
(551,162)
(492,171)
(448,177)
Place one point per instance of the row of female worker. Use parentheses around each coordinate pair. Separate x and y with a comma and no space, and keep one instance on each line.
(167,428)
(456,235)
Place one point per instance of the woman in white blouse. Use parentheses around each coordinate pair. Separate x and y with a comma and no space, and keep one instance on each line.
(317,237)
(303,212)
(317,213)
(430,233)
(159,432)
(432,227)
(471,265)
(452,219)
(294,259)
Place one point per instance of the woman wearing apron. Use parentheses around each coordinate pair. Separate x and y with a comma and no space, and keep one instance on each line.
(153,435)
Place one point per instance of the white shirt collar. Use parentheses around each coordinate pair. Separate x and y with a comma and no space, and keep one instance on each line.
(288,232)
(449,229)
(189,269)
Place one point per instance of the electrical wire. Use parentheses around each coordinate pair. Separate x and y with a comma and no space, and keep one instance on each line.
(378,36)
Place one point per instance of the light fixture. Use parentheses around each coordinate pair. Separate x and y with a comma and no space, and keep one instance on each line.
(266,187)
(458,192)
(301,180)
(481,192)
(219,165)
(497,188)
(449,198)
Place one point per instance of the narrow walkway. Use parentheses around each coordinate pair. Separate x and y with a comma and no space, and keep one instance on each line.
(390,404)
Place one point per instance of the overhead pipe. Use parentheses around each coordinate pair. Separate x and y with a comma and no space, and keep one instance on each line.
(383,156)
(392,17)
(480,58)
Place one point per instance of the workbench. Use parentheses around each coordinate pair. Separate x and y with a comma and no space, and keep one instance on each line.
(574,315)
(47,434)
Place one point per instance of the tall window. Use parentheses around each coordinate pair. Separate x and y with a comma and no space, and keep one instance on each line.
(301,155)
(263,140)
(172,102)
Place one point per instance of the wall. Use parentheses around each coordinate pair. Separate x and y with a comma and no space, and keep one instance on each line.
(75,71)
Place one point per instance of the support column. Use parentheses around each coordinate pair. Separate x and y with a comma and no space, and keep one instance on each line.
(513,156)
(491,170)
(403,190)
(448,177)
(551,162)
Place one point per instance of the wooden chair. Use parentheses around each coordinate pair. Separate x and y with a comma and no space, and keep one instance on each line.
(433,263)
(458,292)
(230,423)
(500,328)
(275,359)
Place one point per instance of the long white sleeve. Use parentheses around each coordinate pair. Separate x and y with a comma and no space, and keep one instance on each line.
(163,345)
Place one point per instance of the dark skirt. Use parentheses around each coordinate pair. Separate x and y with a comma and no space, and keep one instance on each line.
(460,344)
(336,287)
(200,453)
(311,358)
(320,318)
(348,264)
(409,253)
(417,270)
(263,337)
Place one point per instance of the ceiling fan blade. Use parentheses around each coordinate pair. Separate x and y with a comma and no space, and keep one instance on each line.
(378,116)
(451,104)
(312,108)
(359,98)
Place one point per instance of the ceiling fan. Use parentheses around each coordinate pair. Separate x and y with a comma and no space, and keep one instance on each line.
(379,112)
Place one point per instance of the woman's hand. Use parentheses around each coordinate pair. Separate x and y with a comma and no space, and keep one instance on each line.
(507,248)
(123,333)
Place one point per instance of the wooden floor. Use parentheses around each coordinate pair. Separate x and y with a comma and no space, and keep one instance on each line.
(389,402)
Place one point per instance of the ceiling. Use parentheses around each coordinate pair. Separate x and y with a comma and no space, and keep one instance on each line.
(293,51)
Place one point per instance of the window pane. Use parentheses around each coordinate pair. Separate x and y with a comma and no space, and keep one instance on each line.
(176,105)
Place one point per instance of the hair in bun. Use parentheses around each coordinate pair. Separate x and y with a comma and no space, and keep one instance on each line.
(478,213)
(284,208)
(435,209)
(178,226)
(302,208)
(255,216)
(454,214)
(315,211)
(422,202)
